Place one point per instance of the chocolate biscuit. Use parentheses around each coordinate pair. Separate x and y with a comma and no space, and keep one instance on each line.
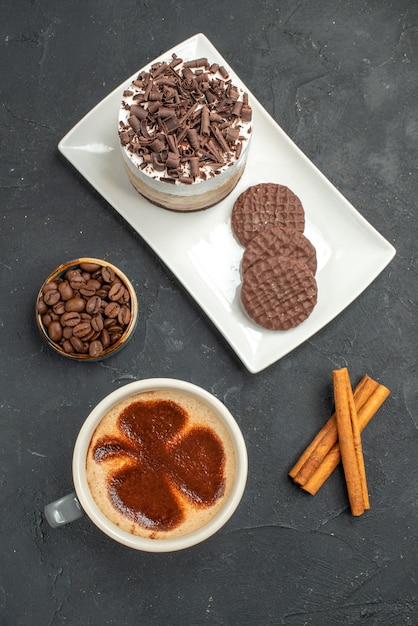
(282,241)
(278,293)
(265,205)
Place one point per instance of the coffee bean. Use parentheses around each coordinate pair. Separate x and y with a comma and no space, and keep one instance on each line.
(78,345)
(125,297)
(41,307)
(75,304)
(89,267)
(108,321)
(77,282)
(66,291)
(112,310)
(46,319)
(67,346)
(52,286)
(91,335)
(105,338)
(97,322)
(72,273)
(59,307)
(94,304)
(94,283)
(51,297)
(103,291)
(55,331)
(70,318)
(124,315)
(108,274)
(67,332)
(115,328)
(114,337)
(116,291)
(87,290)
(86,310)
(95,348)
(82,329)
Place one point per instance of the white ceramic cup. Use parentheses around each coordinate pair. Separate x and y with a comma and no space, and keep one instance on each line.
(72,506)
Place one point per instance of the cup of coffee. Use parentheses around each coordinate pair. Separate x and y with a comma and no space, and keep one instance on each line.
(159,465)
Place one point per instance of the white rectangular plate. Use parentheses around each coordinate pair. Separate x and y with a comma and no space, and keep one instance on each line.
(199,247)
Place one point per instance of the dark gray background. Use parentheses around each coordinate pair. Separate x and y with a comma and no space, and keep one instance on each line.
(341,78)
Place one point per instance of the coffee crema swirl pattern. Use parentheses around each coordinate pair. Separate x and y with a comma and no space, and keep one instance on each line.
(160,464)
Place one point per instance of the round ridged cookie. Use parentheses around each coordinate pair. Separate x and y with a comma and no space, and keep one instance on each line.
(265,205)
(278,293)
(281,241)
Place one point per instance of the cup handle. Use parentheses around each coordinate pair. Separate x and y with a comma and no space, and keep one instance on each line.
(62,511)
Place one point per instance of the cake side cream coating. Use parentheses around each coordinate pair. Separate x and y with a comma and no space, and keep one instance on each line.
(184,131)
(189,198)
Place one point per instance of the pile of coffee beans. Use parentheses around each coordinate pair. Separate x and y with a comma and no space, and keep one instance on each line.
(86,310)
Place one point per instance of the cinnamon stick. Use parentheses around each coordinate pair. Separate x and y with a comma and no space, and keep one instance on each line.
(358,447)
(350,442)
(316,452)
(333,458)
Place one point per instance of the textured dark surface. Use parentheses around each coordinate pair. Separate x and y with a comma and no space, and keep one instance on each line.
(341,78)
